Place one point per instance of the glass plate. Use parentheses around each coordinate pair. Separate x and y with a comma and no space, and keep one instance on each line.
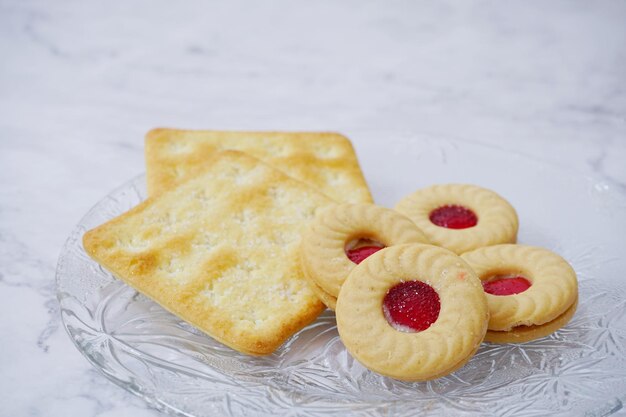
(579,370)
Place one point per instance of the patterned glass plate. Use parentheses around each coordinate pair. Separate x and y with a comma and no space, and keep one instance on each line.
(579,370)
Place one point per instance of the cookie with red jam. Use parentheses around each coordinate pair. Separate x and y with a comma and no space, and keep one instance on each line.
(461,217)
(412,312)
(342,236)
(531,291)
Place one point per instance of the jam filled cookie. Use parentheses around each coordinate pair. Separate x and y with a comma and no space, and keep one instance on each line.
(531,291)
(522,334)
(461,217)
(341,236)
(329,301)
(412,312)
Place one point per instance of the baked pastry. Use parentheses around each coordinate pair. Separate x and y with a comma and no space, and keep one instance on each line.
(531,291)
(522,334)
(461,217)
(342,235)
(329,301)
(220,251)
(326,161)
(412,312)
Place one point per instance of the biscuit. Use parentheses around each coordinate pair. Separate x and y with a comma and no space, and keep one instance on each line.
(328,300)
(325,240)
(326,161)
(220,251)
(437,309)
(461,217)
(522,334)
(551,286)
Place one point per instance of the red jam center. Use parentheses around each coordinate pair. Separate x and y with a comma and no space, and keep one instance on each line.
(453,217)
(506,285)
(358,255)
(411,306)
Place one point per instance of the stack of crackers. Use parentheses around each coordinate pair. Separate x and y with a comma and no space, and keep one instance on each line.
(217,241)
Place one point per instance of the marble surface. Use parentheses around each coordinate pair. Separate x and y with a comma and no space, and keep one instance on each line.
(81,82)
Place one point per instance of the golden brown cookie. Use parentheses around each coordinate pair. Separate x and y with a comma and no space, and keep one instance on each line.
(327,253)
(521,334)
(526,286)
(324,160)
(328,300)
(412,312)
(220,251)
(461,217)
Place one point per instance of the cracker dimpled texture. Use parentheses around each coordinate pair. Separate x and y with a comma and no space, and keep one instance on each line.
(326,161)
(220,251)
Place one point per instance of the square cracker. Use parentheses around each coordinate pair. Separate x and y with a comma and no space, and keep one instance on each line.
(220,251)
(326,161)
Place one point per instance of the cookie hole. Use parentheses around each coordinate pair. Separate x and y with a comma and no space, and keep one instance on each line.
(332,177)
(357,250)
(452,216)
(279,150)
(204,241)
(327,152)
(180,147)
(278,195)
(411,306)
(179,172)
(501,285)
(244,217)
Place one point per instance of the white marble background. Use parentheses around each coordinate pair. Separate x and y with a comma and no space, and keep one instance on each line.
(82,81)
